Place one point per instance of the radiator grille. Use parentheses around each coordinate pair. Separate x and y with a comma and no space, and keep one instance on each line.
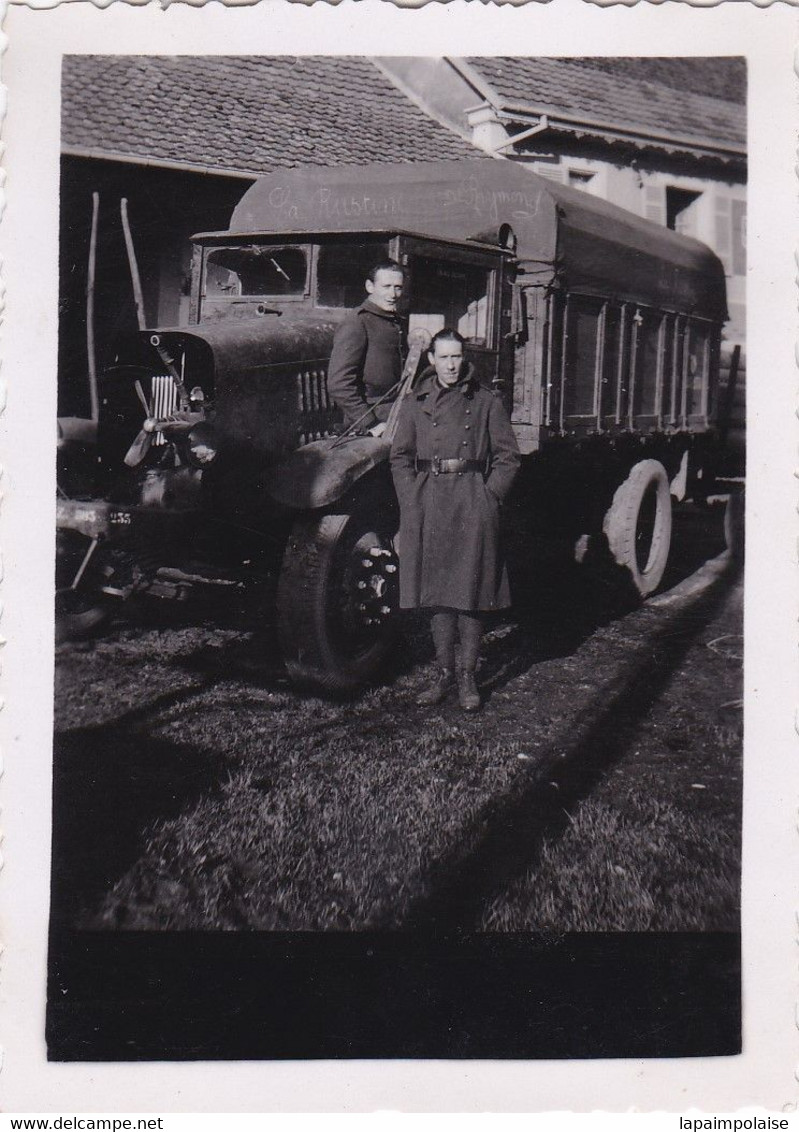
(316,410)
(163,400)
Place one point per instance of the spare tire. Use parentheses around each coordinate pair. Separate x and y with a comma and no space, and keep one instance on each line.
(638,525)
(734,528)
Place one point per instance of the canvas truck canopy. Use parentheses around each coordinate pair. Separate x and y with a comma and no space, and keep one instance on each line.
(564,236)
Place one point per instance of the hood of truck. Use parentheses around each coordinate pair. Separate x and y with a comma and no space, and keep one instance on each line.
(269,381)
(241,346)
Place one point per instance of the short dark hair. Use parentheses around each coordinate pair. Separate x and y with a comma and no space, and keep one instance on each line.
(385,265)
(446,334)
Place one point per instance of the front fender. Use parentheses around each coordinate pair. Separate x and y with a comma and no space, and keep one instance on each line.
(318,474)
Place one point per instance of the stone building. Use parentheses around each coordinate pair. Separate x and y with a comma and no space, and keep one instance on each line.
(664,138)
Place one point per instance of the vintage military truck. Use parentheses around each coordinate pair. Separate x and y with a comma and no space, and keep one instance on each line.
(219,460)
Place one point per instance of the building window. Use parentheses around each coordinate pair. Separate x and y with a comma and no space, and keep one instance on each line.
(738,237)
(581,179)
(681,210)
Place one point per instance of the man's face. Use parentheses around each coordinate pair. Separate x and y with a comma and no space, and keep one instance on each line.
(386,291)
(446,357)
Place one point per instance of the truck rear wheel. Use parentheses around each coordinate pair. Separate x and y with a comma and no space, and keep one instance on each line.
(337,593)
(638,525)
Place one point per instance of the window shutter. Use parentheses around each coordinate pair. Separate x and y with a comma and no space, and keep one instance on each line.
(723,241)
(551,172)
(655,203)
(738,237)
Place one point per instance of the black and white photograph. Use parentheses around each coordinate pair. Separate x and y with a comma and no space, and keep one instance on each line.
(400,492)
(398,602)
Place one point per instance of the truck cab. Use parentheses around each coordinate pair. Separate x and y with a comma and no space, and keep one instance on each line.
(294,294)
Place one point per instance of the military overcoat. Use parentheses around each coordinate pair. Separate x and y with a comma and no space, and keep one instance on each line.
(365,362)
(449,548)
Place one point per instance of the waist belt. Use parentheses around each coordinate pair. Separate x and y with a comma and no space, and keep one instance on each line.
(442,467)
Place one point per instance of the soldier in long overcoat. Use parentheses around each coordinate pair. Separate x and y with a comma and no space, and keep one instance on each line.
(453,458)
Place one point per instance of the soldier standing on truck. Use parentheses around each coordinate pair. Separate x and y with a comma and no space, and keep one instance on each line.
(453,459)
(366,360)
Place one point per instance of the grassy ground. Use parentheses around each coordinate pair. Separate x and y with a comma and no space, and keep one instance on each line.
(656,845)
(598,790)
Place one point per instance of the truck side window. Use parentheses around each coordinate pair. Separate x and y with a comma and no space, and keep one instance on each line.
(678,364)
(698,358)
(647,363)
(255,270)
(342,269)
(667,367)
(581,357)
(613,355)
(451,294)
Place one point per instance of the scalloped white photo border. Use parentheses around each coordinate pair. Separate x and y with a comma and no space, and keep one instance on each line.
(765,1074)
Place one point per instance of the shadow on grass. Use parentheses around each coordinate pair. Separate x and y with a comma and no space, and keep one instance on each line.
(504,839)
(559,603)
(109,781)
(255,659)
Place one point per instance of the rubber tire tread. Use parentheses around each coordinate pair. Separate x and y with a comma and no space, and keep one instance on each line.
(735,526)
(621,521)
(79,626)
(308,653)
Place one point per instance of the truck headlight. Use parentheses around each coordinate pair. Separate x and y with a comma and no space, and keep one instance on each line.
(202,445)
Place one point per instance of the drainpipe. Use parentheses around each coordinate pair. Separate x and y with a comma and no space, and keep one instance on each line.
(488,133)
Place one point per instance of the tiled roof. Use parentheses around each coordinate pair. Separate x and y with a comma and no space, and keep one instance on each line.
(721,76)
(244,113)
(582,88)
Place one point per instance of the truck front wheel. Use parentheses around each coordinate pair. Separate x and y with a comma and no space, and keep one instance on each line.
(638,525)
(81,608)
(337,593)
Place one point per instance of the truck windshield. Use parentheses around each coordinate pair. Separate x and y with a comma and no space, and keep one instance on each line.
(255,270)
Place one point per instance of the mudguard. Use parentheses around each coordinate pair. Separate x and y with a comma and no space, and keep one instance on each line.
(77,430)
(319,473)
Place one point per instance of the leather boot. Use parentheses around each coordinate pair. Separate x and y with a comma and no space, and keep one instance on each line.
(438,691)
(468,696)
